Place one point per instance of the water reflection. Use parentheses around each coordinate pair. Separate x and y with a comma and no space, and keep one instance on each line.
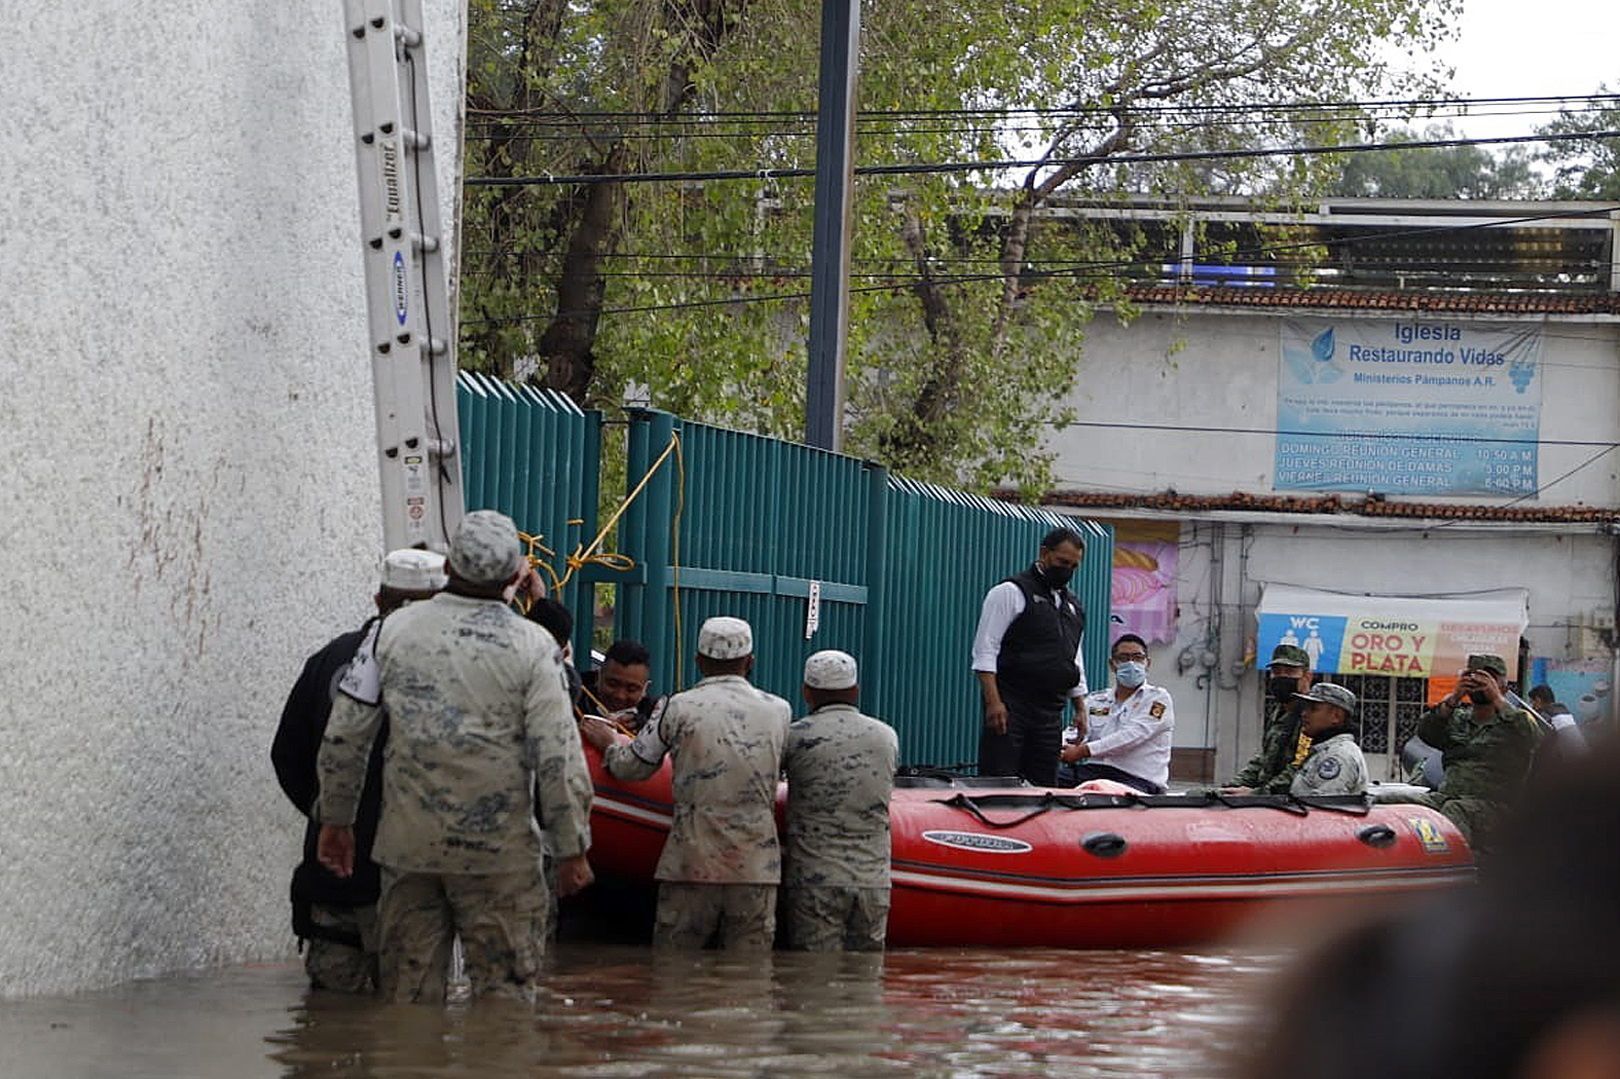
(617,1011)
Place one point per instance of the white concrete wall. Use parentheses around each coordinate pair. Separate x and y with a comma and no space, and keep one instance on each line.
(190,501)
(1211,369)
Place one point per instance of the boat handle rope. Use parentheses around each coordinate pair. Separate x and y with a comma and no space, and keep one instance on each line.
(1288,805)
(1296,807)
(962,801)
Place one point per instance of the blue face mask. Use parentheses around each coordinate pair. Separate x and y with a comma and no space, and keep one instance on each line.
(1130,674)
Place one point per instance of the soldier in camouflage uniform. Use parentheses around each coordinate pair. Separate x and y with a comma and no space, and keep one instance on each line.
(1487,746)
(840,771)
(721,864)
(479,722)
(1282,745)
(1335,764)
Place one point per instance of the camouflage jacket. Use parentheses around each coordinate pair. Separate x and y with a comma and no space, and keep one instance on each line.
(725,738)
(840,771)
(1483,760)
(479,721)
(1282,748)
(1333,766)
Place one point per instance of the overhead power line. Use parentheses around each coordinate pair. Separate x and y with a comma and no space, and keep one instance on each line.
(767,174)
(1078,271)
(1413,103)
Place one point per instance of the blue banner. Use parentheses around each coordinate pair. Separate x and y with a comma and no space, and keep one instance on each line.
(1417,406)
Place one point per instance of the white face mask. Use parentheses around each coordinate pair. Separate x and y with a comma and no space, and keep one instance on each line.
(1130,674)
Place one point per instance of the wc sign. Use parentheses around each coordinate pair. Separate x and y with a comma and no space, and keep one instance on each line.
(1321,636)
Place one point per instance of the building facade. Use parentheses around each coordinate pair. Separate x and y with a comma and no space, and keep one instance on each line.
(1399,453)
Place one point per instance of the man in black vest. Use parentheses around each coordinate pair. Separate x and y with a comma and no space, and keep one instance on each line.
(1027,656)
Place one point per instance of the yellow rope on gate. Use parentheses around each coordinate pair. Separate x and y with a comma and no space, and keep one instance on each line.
(592,555)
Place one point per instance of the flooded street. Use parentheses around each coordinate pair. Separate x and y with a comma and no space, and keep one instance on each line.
(618,1010)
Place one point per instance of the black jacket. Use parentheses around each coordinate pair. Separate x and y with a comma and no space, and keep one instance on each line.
(1037,651)
(294,752)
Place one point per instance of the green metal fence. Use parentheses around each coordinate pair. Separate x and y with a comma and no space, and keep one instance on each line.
(535,456)
(943,549)
(817,550)
(763,524)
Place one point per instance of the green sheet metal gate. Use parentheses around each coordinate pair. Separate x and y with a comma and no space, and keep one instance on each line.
(816,550)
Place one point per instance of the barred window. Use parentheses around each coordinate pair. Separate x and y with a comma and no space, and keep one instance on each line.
(1390,708)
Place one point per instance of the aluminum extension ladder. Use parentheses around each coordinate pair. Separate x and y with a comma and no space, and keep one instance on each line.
(413,362)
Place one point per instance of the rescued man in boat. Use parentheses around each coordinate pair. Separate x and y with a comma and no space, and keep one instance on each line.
(1335,764)
(1283,744)
(1122,733)
(619,689)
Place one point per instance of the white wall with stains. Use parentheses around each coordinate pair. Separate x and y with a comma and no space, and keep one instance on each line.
(189,502)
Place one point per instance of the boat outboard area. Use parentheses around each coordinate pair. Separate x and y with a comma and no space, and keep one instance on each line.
(995,862)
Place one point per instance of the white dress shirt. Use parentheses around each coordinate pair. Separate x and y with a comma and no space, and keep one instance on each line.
(1002,604)
(1133,735)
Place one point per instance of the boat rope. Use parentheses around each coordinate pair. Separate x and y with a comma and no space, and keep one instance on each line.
(1046,801)
(963,802)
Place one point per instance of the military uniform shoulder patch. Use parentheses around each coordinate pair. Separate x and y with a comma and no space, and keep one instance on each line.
(1156,710)
(363,678)
(1328,767)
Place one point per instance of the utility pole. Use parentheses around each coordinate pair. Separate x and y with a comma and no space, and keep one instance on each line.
(829,262)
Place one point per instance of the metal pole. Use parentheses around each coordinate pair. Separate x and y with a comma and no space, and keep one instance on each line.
(829,262)
(873,656)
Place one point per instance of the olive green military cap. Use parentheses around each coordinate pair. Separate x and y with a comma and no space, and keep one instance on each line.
(1291,655)
(1483,661)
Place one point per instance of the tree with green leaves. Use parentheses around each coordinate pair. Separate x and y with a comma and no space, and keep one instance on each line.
(1585,168)
(1437,172)
(970,291)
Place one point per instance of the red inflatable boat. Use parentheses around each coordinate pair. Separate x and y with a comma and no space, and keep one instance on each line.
(978,862)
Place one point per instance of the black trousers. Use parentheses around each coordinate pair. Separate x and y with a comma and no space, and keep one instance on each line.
(1030,746)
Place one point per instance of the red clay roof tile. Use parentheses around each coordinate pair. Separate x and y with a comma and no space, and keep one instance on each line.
(1325,504)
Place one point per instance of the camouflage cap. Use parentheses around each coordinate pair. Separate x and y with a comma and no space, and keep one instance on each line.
(1484,661)
(411,570)
(830,670)
(485,549)
(1329,693)
(725,638)
(1291,655)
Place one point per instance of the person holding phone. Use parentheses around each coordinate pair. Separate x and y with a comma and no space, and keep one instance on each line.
(1487,745)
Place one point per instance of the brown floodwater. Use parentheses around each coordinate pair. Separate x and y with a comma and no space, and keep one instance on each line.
(617,1010)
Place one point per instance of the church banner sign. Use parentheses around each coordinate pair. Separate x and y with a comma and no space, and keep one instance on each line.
(1413,406)
(1394,636)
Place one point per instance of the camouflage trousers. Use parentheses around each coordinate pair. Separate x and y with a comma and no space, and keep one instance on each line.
(736,917)
(500,917)
(829,918)
(1474,817)
(341,967)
